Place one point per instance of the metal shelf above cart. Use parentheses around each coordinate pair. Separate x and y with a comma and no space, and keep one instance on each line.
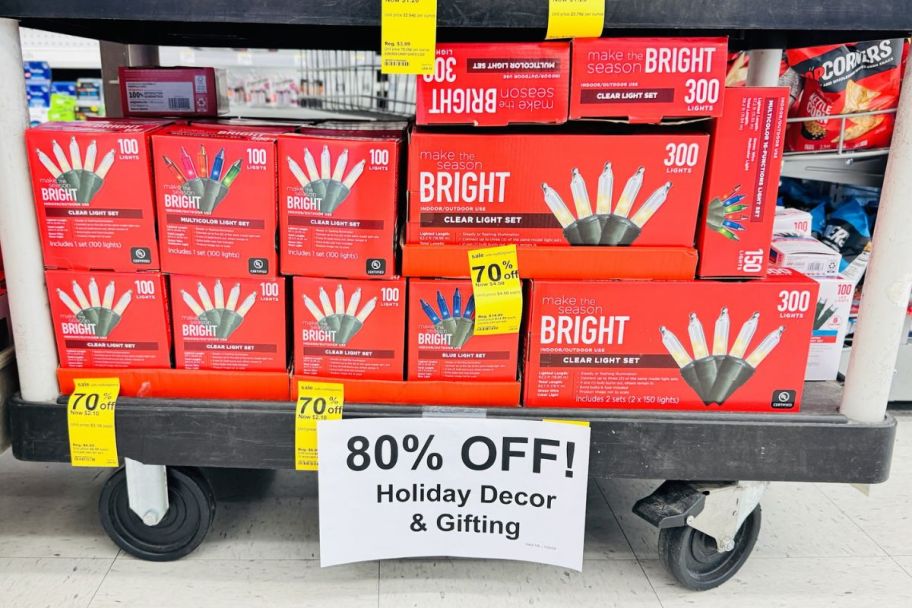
(355,23)
(815,445)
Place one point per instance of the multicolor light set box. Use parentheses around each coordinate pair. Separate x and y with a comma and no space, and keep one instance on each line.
(647,79)
(216,200)
(555,189)
(109,319)
(228,323)
(338,195)
(347,328)
(92,184)
(742,182)
(484,84)
(677,345)
(442,344)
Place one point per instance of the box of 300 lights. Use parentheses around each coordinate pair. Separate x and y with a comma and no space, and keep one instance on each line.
(677,345)
(347,328)
(442,344)
(228,323)
(216,195)
(338,193)
(647,79)
(555,189)
(109,319)
(92,182)
(487,85)
(742,181)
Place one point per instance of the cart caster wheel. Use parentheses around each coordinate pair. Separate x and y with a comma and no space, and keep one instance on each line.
(693,559)
(185,525)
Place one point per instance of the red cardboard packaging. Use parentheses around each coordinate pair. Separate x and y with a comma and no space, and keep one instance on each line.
(647,79)
(560,189)
(349,328)
(677,345)
(238,324)
(216,195)
(109,319)
(441,342)
(92,183)
(173,91)
(484,84)
(739,201)
(338,192)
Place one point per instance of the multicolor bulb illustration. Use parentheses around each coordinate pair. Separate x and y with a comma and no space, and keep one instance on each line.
(199,180)
(223,315)
(716,375)
(326,184)
(342,321)
(457,323)
(726,213)
(76,174)
(605,226)
(96,311)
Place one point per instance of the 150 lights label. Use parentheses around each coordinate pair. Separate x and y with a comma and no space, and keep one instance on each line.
(502,489)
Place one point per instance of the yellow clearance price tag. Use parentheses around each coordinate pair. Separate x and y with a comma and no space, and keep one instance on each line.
(575,18)
(90,420)
(408,35)
(497,290)
(316,401)
(561,421)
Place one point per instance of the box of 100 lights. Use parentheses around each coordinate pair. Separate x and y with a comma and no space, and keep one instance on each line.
(555,189)
(676,345)
(93,194)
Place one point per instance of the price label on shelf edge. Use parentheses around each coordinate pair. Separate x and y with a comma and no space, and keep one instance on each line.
(497,290)
(413,487)
(316,401)
(575,19)
(408,36)
(90,422)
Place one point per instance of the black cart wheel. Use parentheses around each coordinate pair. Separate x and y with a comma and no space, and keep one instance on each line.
(693,559)
(185,525)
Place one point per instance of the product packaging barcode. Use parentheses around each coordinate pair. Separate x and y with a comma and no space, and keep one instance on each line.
(815,267)
(178,103)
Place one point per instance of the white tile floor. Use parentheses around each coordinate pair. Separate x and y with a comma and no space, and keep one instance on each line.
(821,545)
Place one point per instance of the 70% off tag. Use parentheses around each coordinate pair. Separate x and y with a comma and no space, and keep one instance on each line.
(497,290)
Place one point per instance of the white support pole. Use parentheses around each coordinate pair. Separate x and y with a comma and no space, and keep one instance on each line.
(763,67)
(888,280)
(31,317)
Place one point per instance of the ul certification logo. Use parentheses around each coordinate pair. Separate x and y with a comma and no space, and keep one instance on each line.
(376,266)
(783,399)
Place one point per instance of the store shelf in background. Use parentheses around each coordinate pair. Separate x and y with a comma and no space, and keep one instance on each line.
(549,262)
(860,168)
(416,392)
(62,52)
(186,384)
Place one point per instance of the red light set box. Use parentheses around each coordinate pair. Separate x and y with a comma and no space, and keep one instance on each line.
(338,193)
(441,340)
(216,194)
(647,79)
(228,324)
(349,329)
(561,189)
(175,91)
(677,345)
(93,194)
(109,319)
(496,84)
(742,181)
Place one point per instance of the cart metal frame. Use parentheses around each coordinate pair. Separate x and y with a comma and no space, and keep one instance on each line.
(840,435)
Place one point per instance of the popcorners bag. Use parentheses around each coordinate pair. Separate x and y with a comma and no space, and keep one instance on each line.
(846,79)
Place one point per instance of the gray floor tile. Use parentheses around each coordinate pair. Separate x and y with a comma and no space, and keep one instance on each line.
(906,563)
(50,582)
(473,583)
(604,538)
(237,584)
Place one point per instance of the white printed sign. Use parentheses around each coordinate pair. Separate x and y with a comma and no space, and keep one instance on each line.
(411,487)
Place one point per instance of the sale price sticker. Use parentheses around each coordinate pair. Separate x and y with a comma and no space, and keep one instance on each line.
(575,18)
(408,36)
(90,421)
(413,487)
(497,290)
(316,401)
